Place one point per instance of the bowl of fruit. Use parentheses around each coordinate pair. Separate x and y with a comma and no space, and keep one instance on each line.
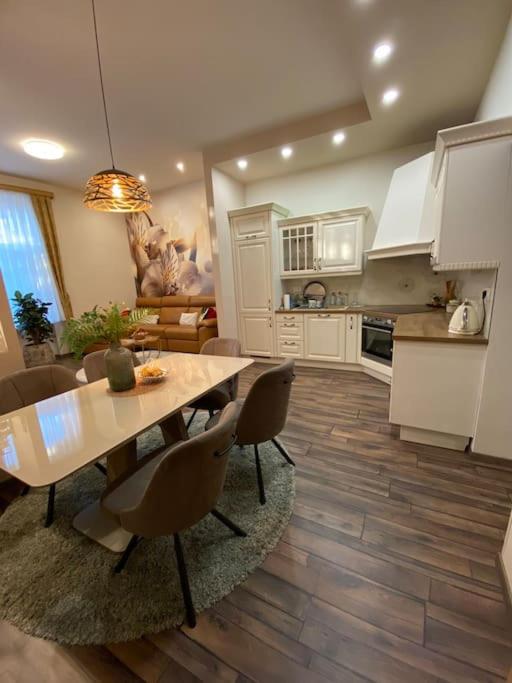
(151,373)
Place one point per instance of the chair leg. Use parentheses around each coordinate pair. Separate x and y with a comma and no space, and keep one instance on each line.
(259,474)
(185,587)
(191,418)
(101,468)
(128,551)
(25,490)
(231,525)
(283,451)
(50,507)
(211,412)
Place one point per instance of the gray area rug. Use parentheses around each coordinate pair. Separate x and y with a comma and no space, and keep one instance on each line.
(56,583)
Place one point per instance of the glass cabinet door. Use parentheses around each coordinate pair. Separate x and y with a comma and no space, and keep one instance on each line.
(298,249)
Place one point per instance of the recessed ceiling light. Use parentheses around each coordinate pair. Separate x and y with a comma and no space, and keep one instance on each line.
(242,164)
(286,152)
(142,178)
(180,166)
(43,149)
(382,52)
(390,96)
(338,137)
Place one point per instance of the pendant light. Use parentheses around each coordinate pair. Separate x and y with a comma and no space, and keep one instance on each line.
(112,189)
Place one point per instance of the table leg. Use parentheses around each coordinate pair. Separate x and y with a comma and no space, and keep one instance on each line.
(122,459)
(174,429)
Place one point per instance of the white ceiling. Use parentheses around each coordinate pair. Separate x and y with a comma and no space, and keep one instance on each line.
(183,75)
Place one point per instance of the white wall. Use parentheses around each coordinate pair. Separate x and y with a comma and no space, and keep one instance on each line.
(497,99)
(227,194)
(94,249)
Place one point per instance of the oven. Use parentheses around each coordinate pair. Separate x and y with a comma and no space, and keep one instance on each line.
(377,339)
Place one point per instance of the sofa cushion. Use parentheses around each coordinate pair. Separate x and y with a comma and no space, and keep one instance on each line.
(152,329)
(201,301)
(177,300)
(148,302)
(185,332)
(171,314)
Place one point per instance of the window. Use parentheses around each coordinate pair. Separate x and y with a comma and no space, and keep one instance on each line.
(24,261)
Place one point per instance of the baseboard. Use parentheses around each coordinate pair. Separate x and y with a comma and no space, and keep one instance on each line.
(377,375)
(507,588)
(431,438)
(301,362)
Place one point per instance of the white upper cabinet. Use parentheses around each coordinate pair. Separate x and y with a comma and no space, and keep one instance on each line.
(340,245)
(472,184)
(254,222)
(253,276)
(328,243)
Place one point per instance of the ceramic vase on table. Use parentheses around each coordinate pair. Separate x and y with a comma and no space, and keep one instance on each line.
(119,367)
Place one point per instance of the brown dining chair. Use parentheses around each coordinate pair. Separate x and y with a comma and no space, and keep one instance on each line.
(262,415)
(25,387)
(219,397)
(173,491)
(95,368)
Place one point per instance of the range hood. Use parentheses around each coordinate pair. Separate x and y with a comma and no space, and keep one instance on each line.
(404,227)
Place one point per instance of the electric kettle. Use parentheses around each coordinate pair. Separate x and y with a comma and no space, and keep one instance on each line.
(465,320)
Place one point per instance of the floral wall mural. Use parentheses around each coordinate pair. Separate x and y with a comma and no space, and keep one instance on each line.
(171,256)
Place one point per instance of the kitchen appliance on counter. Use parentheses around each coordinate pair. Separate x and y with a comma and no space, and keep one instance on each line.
(377,339)
(466,319)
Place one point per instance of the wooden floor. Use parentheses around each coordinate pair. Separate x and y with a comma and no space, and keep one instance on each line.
(386,572)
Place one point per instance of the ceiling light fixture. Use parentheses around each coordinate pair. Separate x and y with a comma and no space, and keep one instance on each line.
(382,52)
(286,152)
(142,178)
(113,190)
(180,166)
(43,149)
(242,164)
(338,137)
(390,96)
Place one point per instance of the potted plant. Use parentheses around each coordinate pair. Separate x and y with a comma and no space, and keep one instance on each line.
(105,328)
(31,320)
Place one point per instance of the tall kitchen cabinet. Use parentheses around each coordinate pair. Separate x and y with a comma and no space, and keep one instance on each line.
(258,287)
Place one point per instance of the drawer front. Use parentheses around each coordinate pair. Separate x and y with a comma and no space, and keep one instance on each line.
(297,318)
(251,226)
(290,330)
(290,348)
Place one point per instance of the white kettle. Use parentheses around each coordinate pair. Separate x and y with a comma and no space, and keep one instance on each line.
(465,320)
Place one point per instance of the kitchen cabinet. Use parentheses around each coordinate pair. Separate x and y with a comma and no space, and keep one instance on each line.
(254,245)
(329,243)
(471,177)
(353,338)
(257,335)
(253,276)
(324,337)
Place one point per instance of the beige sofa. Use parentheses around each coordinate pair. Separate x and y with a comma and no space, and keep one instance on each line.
(173,336)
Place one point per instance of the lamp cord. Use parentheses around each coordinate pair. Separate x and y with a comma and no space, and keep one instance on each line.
(101,82)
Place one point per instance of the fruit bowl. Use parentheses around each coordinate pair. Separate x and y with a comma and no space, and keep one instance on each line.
(151,374)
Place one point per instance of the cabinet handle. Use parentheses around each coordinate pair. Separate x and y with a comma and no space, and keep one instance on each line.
(351,322)
(270,322)
(269,304)
(289,343)
(288,317)
(319,261)
(288,324)
(314,264)
(324,315)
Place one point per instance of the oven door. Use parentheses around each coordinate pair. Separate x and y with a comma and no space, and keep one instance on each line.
(377,344)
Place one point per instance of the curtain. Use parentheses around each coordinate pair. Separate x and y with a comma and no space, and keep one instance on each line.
(24,259)
(44,213)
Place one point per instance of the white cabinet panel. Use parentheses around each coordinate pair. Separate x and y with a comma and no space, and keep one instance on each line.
(253,277)
(353,338)
(251,226)
(289,348)
(340,245)
(324,336)
(290,330)
(257,335)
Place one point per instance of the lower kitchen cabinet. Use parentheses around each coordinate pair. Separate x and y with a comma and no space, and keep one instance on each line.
(353,338)
(257,335)
(324,337)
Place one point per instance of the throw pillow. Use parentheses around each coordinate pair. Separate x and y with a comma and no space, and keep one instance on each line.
(151,319)
(211,313)
(189,319)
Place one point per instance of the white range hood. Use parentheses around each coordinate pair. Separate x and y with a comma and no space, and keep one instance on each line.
(404,227)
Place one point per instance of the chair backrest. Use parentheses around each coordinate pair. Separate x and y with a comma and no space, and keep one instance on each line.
(223,346)
(95,368)
(29,386)
(264,411)
(187,482)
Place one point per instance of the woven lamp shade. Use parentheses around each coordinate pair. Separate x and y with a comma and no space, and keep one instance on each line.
(114,190)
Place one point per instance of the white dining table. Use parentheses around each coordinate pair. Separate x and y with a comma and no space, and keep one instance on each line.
(46,442)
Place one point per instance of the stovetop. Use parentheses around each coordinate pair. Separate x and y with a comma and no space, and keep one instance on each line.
(398,309)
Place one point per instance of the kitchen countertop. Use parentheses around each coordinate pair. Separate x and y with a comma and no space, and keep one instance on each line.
(387,311)
(432,327)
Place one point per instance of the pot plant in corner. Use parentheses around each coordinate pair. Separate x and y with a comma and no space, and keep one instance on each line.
(31,320)
(107,326)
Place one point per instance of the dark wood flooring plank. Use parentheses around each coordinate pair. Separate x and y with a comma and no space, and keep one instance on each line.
(474,606)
